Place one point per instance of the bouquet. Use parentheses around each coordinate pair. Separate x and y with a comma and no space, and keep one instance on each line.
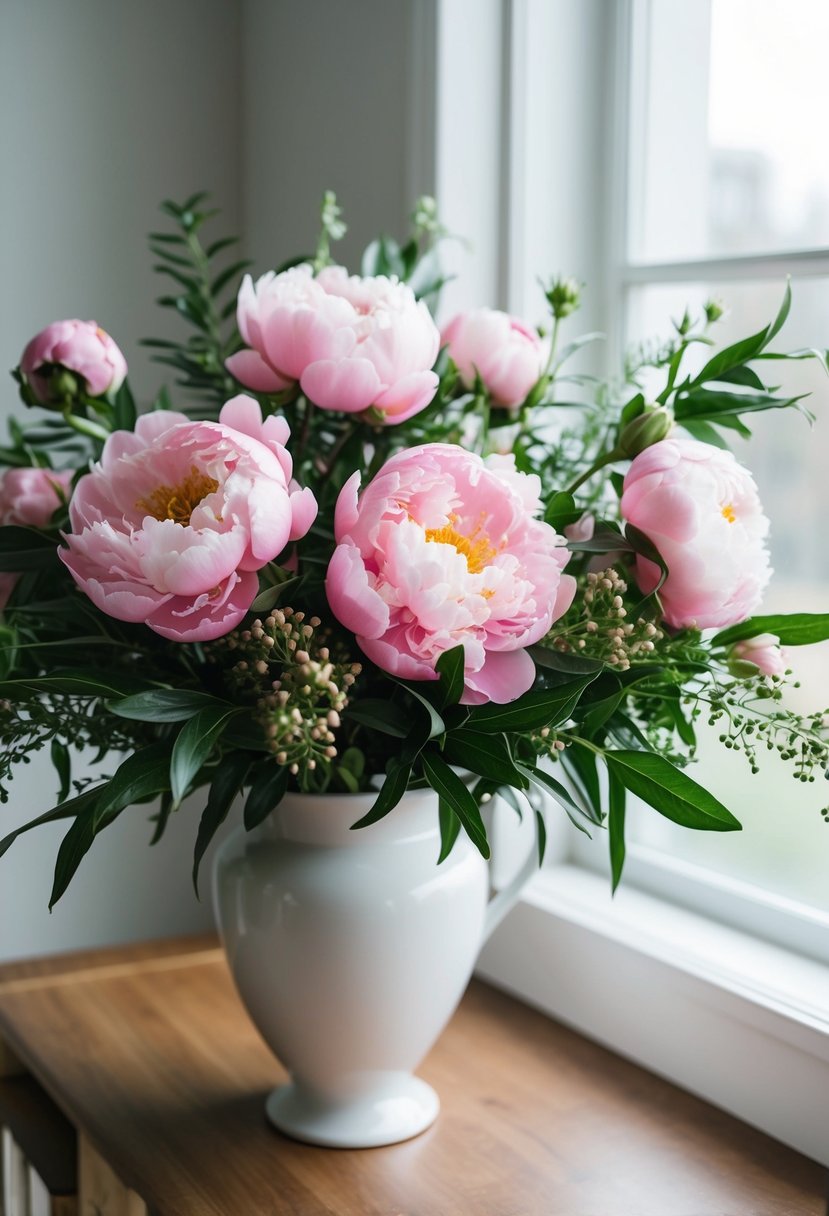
(360,553)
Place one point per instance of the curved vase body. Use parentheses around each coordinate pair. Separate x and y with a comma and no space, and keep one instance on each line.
(351,950)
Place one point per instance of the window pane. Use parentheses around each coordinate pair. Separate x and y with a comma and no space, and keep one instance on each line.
(784,846)
(732,157)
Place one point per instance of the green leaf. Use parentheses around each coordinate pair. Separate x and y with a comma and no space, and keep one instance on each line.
(532,711)
(450,668)
(66,810)
(580,765)
(380,715)
(561,511)
(671,792)
(450,827)
(391,791)
(551,785)
(616,827)
(194,744)
(266,793)
(25,549)
(485,755)
(74,847)
(62,765)
(436,724)
(141,776)
(793,629)
(645,547)
(541,828)
(226,784)
(79,683)
(161,817)
(450,788)
(164,705)
(715,405)
(559,667)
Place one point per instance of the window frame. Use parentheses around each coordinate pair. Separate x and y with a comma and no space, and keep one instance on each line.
(736,1019)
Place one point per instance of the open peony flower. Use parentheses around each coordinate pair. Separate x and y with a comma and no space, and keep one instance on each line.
(172,525)
(81,347)
(764,652)
(352,343)
(507,354)
(701,509)
(443,548)
(29,497)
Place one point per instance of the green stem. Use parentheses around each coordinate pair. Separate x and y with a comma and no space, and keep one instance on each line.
(608,458)
(85,426)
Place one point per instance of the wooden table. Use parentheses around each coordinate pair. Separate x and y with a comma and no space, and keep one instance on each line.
(149,1053)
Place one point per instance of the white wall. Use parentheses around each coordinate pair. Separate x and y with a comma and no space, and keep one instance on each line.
(105,108)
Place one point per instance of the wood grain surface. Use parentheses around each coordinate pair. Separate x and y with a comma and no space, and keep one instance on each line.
(152,1057)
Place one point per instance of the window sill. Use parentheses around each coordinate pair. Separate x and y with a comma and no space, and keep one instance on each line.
(739,1022)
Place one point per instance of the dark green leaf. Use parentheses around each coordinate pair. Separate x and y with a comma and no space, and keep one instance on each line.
(450,826)
(193,746)
(164,705)
(74,847)
(450,788)
(484,755)
(380,715)
(616,827)
(645,547)
(532,711)
(66,810)
(450,668)
(561,511)
(670,791)
(226,784)
(141,776)
(266,793)
(541,828)
(25,549)
(63,767)
(391,791)
(79,683)
(551,785)
(793,629)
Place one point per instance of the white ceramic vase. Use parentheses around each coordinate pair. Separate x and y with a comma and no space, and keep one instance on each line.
(351,950)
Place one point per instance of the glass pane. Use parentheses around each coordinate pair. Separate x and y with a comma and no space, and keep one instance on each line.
(731,158)
(784,846)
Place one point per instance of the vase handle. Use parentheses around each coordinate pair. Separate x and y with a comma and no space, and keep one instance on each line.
(505,899)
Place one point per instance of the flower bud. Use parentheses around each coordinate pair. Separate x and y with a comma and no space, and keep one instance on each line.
(564,297)
(713,310)
(67,360)
(651,426)
(761,653)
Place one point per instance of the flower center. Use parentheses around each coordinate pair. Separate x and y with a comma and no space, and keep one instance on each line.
(178,502)
(729,513)
(477,548)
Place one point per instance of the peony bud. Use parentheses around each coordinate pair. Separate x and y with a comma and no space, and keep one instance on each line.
(67,360)
(761,653)
(651,426)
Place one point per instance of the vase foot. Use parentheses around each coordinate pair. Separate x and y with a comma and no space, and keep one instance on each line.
(398,1107)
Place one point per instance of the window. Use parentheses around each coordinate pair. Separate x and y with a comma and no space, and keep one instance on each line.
(715,185)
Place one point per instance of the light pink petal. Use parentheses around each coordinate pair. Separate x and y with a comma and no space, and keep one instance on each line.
(350,385)
(503,678)
(180,621)
(395,661)
(354,603)
(304,510)
(407,396)
(250,369)
(345,512)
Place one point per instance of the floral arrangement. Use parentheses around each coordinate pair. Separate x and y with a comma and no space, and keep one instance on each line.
(364,554)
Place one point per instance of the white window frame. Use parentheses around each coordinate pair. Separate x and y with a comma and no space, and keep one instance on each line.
(743,1022)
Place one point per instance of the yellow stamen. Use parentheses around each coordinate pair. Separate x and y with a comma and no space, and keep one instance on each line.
(178,502)
(729,513)
(477,548)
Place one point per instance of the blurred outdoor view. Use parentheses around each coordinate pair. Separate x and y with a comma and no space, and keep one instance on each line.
(755,179)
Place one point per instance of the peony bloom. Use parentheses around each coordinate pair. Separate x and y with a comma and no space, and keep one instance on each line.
(172,525)
(443,548)
(764,652)
(351,343)
(81,347)
(506,353)
(701,510)
(29,497)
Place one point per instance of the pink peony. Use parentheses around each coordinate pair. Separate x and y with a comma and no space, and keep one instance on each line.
(172,525)
(701,510)
(29,497)
(351,343)
(80,346)
(443,548)
(764,652)
(506,353)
